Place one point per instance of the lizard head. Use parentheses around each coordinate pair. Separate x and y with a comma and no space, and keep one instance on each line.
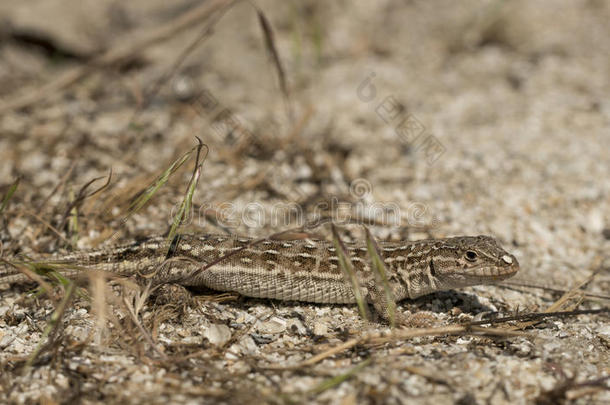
(458,262)
(471,260)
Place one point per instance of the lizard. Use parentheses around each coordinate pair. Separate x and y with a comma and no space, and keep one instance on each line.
(305,270)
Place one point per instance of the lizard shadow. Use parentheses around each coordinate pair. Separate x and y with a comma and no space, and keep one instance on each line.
(439,302)
(445,301)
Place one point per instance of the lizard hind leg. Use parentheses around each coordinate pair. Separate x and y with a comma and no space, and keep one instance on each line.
(168,270)
(165,279)
(172,294)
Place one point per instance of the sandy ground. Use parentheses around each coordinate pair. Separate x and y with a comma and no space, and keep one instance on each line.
(433,118)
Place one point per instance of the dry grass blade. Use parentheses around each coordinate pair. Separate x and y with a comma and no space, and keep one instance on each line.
(563,303)
(97,283)
(73,224)
(328,353)
(143,196)
(270,45)
(185,207)
(349,273)
(381,277)
(51,271)
(401,334)
(205,33)
(82,195)
(527,284)
(61,183)
(333,382)
(52,327)
(538,316)
(11,190)
(134,307)
(55,273)
(377,338)
(124,50)
(46,224)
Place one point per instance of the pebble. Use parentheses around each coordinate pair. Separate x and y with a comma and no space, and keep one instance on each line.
(217,334)
(320,329)
(273,326)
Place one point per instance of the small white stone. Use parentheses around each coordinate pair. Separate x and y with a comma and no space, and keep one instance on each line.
(245,346)
(320,329)
(217,334)
(62,381)
(6,340)
(273,326)
(3,310)
(604,330)
(595,221)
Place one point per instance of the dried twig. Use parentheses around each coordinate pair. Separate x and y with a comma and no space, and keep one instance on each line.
(562,302)
(376,338)
(538,316)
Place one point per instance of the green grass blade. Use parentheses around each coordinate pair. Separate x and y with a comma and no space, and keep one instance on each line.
(52,271)
(187,201)
(146,194)
(9,194)
(73,223)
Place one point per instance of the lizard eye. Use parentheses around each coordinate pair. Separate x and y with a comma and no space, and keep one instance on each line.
(471,255)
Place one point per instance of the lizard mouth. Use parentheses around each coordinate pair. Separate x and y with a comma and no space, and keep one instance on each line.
(481,275)
(509,266)
(491,273)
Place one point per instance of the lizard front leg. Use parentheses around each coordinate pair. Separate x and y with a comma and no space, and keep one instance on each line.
(379,298)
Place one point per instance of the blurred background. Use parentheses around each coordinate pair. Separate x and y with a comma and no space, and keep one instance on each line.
(418,118)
